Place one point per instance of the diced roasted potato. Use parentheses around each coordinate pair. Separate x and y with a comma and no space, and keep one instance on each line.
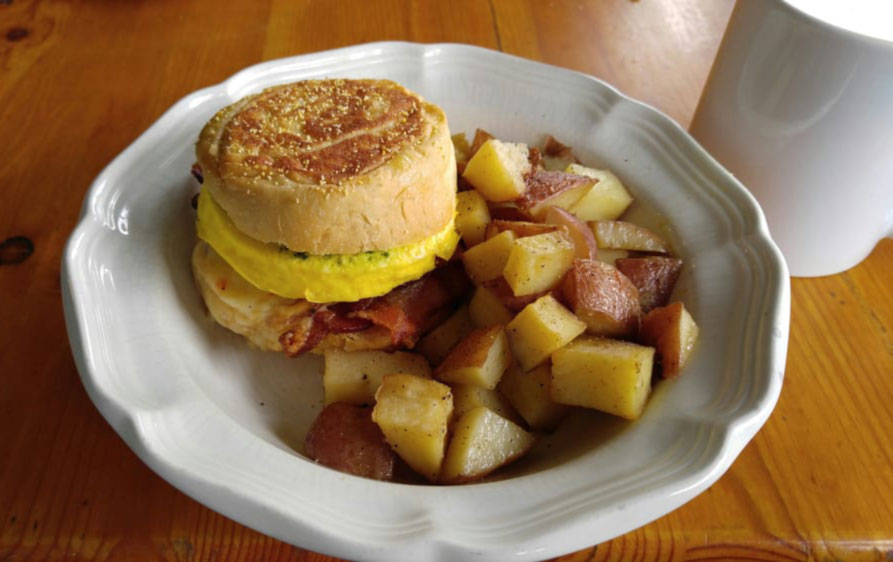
(482,442)
(345,438)
(551,189)
(486,309)
(479,359)
(585,246)
(608,199)
(672,332)
(520,228)
(506,212)
(537,263)
(535,157)
(503,292)
(472,217)
(436,344)
(653,276)
(529,393)
(608,375)
(610,257)
(497,170)
(414,414)
(467,397)
(557,156)
(353,376)
(461,148)
(621,235)
(603,298)
(480,137)
(541,328)
(487,260)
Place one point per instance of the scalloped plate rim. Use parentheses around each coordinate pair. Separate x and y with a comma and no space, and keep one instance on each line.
(434,541)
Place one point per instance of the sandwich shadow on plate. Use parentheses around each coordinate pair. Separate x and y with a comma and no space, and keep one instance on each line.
(266,393)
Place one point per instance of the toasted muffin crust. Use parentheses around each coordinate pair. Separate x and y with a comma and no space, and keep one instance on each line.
(332,166)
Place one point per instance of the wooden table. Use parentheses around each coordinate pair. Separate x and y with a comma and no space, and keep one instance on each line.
(80,80)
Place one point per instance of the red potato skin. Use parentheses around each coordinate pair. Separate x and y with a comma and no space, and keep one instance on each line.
(543,185)
(653,276)
(522,228)
(507,213)
(535,157)
(599,294)
(345,438)
(553,147)
(504,293)
(480,137)
(470,350)
(660,330)
(462,183)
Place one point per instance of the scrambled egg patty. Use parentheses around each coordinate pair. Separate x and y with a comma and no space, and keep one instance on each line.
(330,278)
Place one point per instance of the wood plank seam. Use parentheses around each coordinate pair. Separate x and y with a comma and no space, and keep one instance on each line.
(495,25)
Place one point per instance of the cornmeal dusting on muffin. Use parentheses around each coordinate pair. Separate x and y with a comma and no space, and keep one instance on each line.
(322,131)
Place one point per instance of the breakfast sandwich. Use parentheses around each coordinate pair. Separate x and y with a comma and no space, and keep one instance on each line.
(325,207)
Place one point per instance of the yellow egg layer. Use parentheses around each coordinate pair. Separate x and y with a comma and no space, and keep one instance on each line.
(329,278)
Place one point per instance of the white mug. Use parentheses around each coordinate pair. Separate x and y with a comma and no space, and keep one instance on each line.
(799,106)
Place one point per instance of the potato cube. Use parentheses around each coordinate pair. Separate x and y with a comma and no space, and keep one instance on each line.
(608,199)
(542,327)
(414,413)
(345,438)
(486,309)
(461,148)
(482,442)
(354,376)
(608,375)
(521,228)
(497,170)
(436,344)
(537,263)
(585,246)
(479,359)
(621,235)
(467,397)
(487,260)
(552,189)
(673,332)
(603,298)
(557,155)
(480,137)
(529,393)
(653,276)
(502,291)
(472,217)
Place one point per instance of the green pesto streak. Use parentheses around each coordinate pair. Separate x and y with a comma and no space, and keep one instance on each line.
(371,256)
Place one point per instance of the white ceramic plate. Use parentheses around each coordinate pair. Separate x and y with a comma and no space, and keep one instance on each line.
(222,422)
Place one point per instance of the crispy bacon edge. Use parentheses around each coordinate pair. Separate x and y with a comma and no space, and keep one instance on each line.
(407,312)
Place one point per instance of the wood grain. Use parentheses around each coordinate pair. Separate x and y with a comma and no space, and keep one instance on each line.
(80,80)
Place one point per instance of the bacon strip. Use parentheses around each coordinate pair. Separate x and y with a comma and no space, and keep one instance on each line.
(311,330)
(306,335)
(197,173)
(414,308)
(407,312)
